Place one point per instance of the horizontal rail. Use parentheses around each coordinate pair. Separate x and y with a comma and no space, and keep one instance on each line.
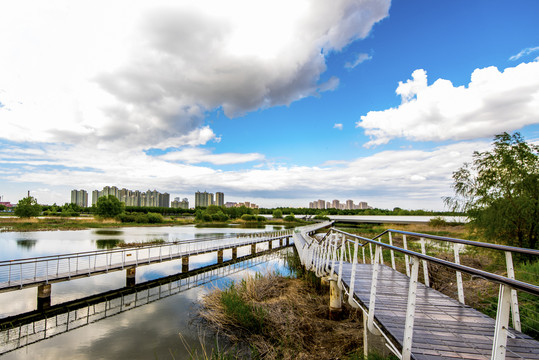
(515,284)
(465,242)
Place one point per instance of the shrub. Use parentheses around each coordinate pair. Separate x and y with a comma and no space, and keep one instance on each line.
(247,217)
(290,218)
(155,218)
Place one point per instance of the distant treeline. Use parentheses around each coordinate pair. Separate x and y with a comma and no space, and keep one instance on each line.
(395,211)
(237,212)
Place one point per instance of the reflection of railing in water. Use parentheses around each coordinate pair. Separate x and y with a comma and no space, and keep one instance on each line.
(25,329)
(16,274)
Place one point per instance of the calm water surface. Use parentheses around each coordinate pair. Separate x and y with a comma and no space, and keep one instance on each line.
(149,328)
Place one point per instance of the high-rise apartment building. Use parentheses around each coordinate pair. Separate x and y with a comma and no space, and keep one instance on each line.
(219,199)
(134,198)
(79,197)
(203,199)
(321,204)
(184,204)
(336,204)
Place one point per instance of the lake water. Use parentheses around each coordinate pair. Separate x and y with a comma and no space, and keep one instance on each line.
(142,324)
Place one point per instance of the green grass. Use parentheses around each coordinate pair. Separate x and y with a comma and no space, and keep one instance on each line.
(244,315)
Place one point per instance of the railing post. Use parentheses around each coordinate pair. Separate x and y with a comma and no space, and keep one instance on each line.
(502,323)
(514,297)
(391,252)
(460,287)
(334,254)
(372,299)
(339,284)
(353,277)
(406,259)
(410,311)
(425,265)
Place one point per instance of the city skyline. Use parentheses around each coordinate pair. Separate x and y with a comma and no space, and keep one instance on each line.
(275,102)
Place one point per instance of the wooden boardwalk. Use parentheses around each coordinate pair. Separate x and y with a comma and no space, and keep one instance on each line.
(443,327)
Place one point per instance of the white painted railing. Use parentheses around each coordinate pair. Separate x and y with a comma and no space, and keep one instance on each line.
(326,255)
(23,272)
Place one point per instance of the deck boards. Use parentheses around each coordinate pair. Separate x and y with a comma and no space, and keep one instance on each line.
(443,327)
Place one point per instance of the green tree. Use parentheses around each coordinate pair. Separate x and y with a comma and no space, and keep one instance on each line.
(3,207)
(108,206)
(499,191)
(28,207)
(277,214)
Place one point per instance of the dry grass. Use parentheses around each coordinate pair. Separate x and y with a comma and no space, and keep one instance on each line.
(295,320)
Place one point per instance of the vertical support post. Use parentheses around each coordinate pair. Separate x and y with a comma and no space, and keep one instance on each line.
(130,276)
(406,257)
(363,252)
(288,241)
(253,249)
(335,299)
(460,287)
(334,254)
(425,265)
(372,299)
(502,322)
(270,245)
(410,311)
(370,250)
(44,296)
(280,242)
(234,253)
(220,256)
(515,313)
(185,264)
(391,252)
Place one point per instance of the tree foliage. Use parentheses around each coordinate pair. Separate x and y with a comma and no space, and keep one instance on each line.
(277,214)
(27,207)
(108,206)
(499,191)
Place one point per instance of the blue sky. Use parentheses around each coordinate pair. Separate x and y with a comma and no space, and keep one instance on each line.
(270,102)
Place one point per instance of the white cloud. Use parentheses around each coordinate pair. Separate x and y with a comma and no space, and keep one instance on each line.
(524,52)
(493,102)
(405,178)
(144,73)
(359,59)
(197,155)
(337,126)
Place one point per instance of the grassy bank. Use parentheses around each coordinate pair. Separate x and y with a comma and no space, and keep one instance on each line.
(79,223)
(276,317)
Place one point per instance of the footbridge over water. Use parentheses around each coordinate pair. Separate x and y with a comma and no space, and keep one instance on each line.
(426,317)
(43,271)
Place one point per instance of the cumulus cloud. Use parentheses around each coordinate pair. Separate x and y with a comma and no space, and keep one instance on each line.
(359,59)
(145,73)
(493,102)
(524,52)
(337,126)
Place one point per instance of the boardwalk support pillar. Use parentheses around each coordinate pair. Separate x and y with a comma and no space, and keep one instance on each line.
(270,245)
(253,249)
(220,256)
(335,299)
(287,241)
(130,276)
(234,253)
(43,296)
(280,242)
(185,264)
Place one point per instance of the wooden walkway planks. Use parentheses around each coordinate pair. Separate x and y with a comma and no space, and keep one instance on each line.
(443,327)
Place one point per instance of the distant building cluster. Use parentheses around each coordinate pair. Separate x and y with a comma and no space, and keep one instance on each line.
(5,203)
(79,197)
(336,204)
(184,204)
(247,204)
(128,197)
(205,199)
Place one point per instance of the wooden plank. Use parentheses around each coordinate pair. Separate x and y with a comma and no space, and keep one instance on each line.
(443,327)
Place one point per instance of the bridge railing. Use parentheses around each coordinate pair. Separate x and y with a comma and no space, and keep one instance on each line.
(326,255)
(20,272)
